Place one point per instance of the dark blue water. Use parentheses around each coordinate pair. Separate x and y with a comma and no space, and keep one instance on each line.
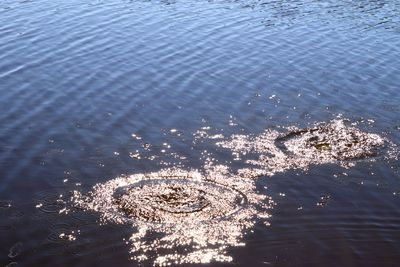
(78,78)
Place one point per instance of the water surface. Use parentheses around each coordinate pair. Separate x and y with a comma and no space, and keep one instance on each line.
(92,90)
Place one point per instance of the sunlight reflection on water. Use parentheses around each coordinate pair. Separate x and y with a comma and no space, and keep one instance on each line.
(183,216)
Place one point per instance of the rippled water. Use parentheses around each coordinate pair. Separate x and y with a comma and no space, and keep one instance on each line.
(198,216)
(99,95)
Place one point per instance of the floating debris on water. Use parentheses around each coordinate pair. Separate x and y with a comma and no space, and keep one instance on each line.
(180,216)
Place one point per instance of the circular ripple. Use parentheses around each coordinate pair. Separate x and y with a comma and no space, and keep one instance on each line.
(334,140)
(177,210)
(172,200)
(61,233)
(49,201)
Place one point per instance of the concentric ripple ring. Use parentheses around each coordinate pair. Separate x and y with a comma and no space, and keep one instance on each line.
(178,199)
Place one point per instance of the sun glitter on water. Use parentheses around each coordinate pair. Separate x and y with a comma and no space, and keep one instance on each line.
(335,142)
(180,216)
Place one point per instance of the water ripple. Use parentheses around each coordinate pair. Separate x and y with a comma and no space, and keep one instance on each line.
(201,216)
